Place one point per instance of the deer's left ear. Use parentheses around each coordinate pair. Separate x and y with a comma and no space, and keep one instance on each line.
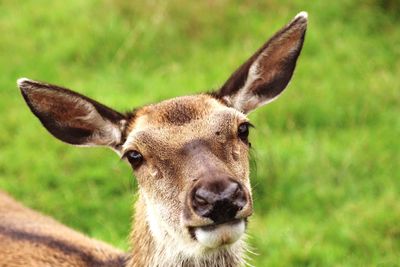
(266,74)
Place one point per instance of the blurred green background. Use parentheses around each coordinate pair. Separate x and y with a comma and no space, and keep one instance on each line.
(327,179)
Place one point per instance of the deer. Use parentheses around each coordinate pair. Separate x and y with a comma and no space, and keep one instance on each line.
(189,154)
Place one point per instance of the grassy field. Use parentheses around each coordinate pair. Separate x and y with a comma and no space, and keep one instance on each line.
(327,178)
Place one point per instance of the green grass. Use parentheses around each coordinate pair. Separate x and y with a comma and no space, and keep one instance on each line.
(327,179)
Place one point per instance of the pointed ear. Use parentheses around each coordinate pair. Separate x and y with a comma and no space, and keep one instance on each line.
(71,117)
(264,76)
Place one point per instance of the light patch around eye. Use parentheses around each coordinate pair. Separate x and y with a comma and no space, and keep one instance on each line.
(154,172)
(140,125)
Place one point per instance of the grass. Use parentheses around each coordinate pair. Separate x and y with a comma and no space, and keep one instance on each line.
(327,179)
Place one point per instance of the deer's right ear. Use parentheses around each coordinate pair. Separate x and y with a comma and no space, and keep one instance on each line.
(71,117)
(266,74)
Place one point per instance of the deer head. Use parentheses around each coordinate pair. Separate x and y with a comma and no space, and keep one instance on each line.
(189,154)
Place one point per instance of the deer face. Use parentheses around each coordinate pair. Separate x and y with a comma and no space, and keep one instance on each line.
(193,166)
(189,154)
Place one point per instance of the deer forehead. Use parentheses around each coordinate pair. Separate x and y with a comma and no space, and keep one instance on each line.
(171,123)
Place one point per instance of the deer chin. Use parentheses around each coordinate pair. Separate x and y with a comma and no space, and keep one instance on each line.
(216,236)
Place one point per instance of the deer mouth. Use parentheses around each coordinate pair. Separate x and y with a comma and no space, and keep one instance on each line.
(218,235)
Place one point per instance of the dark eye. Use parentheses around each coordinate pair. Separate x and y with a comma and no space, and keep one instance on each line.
(134,158)
(243,131)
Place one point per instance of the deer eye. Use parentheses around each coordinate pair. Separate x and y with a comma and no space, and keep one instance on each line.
(243,132)
(134,157)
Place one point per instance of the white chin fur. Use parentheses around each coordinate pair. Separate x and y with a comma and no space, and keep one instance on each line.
(223,234)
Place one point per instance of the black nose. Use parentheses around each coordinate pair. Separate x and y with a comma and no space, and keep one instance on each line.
(219,200)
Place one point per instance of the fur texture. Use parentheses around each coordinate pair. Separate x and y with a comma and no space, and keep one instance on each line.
(179,146)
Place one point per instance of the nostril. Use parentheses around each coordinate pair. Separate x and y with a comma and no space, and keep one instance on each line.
(200,200)
(238,197)
(200,204)
(238,193)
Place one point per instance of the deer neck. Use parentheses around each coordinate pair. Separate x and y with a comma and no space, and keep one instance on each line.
(147,250)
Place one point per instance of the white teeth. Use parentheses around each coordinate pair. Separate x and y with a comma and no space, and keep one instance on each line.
(223,234)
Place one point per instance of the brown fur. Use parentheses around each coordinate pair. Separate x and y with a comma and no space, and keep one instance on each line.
(28,238)
(182,144)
